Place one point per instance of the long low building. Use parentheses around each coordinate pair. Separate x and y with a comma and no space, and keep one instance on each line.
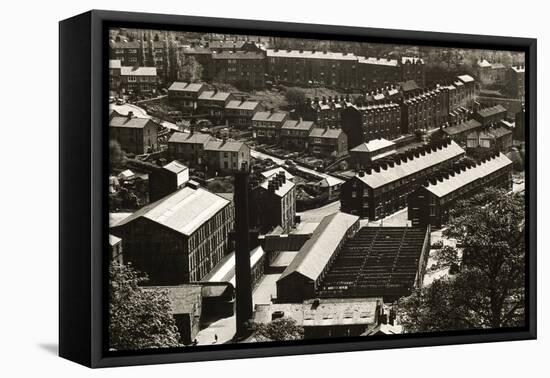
(383,189)
(324,317)
(387,262)
(432,202)
(302,277)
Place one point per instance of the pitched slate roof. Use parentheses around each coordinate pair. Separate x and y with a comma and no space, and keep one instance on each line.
(114,63)
(214,96)
(319,132)
(410,167)
(185,87)
(242,55)
(220,145)
(269,116)
(468,125)
(175,167)
(138,71)
(125,121)
(242,105)
(318,250)
(309,54)
(466,78)
(462,178)
(183,211)
(194,138)
(283,189)
(373,145)
(291,124)
(487,112)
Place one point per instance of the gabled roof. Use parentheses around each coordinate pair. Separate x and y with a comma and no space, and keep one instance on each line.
(468,125)
(319,132)
(462,178)
(318,250)
(175,167)
(483,63)
(411,59)
(182,211)
(269,116)
(129,122)
(309,54)
(465,78)
(242,105)
(518,69)
(487,112)
(409,85)
(214,96)
(291,124)
(377,61)
(282,190)
(193,138)
(113,240)
(138,71)
(185,87)
(220,145)
(242,55)
(373,145)
(417,164)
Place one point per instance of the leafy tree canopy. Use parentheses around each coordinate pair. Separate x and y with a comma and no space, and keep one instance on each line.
(278,330)
(138,318)
(488,290)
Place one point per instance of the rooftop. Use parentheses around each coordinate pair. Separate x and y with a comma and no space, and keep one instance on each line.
(376,261)
(487,112)
(193,138)
(185,87)
(113,240)
(292,124)
(243,55)
(417,164)
(465,126)
(411,59)
(318,250)
(214,95)
(182,211)
(175,167)
(309,54)
(271,172)
(114,63)
(138,71)
(466,78)
(377,61)
(224,271)
(319,132)
(223,145)
(373,145)
(129,122)
(242,105)
(282,189)
(327,312)
(463,178)
(269,116)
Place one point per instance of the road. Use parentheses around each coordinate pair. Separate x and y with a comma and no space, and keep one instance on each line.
(263,156)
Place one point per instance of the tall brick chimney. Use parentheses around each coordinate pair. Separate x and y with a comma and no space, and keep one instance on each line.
(243,276)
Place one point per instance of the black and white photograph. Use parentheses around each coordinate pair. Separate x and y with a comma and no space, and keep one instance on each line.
(273,189)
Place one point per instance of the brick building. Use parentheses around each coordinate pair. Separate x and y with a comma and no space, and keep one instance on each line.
(366,153)
(459,133)
(245,69)
(490,115)
(138,80)
(383,189)
(239,113)
(267,125)
(226,155)
(167,180)
(294,134)
(280,192)
(135,135)
(365,122)
(424,110)
(432,201)
(413,68)
(496,138)
(212,104)
(515,77)
(188,147)
(179,238)
(185,95)
(328,142)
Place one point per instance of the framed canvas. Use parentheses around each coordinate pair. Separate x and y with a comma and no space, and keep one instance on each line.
(235,188)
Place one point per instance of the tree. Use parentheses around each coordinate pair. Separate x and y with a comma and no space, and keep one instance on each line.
(116,155)
(489,287)
(189,69)
(278,330)
(295,96)
(138,318)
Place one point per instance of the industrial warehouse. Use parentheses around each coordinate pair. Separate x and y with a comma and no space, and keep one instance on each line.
(277,189)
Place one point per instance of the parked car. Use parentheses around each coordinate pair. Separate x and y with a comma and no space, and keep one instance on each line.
(120,101)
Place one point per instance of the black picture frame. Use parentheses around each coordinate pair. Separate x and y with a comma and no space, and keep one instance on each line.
(83,228)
